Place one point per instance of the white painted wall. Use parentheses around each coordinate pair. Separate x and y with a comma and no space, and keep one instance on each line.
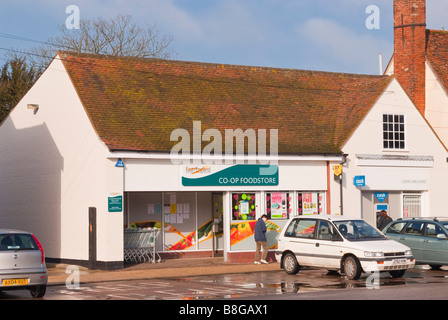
(420,141)
(53,167)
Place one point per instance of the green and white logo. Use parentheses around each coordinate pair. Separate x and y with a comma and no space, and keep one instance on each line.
(236,175)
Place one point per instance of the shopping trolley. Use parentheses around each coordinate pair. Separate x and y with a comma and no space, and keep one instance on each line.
(140,245)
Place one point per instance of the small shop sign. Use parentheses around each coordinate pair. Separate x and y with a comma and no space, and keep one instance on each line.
(115,202)
(381,196)
(236,175)
(359,181)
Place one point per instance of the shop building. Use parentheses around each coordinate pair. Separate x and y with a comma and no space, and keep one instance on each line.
(104,143)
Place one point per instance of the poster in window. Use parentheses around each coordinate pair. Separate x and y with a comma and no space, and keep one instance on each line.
(309,203)
(278,205)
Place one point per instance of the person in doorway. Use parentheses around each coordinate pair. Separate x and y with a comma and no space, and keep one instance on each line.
(383,220)
(260,240)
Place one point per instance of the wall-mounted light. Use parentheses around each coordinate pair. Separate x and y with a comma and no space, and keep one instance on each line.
(34,107)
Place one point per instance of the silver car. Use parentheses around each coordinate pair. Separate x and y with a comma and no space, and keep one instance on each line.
(22,263)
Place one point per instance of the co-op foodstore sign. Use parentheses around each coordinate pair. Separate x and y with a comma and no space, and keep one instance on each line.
(235,175)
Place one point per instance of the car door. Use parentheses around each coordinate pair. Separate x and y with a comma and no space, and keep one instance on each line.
(327,246)
(412,236)
(435,245)
(301,237)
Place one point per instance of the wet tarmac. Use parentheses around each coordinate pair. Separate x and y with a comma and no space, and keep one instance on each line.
(242,286)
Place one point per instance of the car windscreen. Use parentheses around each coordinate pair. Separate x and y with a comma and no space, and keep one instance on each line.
(445,224)
(17,241)
(358,230)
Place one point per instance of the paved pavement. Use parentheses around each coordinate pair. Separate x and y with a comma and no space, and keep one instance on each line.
(182,267)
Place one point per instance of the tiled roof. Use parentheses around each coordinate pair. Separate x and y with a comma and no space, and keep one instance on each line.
(135,104)
(437,53)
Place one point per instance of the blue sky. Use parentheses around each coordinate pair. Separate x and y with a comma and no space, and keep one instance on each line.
(326,35)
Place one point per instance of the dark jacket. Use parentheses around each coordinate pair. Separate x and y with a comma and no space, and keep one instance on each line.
(260,230)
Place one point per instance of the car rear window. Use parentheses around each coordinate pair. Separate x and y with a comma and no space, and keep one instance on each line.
(17,241)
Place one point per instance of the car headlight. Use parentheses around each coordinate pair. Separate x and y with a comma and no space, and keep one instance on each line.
(374,254)
(408,253)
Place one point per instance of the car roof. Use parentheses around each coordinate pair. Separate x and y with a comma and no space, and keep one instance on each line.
(440,219)
(331,217)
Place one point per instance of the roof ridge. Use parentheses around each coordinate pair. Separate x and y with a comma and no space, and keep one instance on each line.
(216,64)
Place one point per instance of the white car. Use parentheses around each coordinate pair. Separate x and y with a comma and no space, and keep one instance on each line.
(339,243)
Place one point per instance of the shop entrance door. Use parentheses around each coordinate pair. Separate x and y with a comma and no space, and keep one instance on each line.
(217,223)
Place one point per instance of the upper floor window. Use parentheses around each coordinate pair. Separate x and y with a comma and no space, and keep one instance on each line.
(393,132)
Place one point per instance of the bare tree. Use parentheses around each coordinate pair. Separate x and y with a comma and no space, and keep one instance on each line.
(117,36)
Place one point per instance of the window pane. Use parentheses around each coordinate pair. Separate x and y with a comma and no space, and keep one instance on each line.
(305,229)
(396,227)
(310,203)
(278,205)
(432,230)
(414,228)
(17,242)
(243,206)
(393,132)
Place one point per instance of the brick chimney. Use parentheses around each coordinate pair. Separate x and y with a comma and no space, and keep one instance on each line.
(410,48)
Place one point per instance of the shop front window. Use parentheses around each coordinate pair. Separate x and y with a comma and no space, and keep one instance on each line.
(278,205)
(243,206)
(310,203)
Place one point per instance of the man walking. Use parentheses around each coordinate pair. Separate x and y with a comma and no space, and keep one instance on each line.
(260,239)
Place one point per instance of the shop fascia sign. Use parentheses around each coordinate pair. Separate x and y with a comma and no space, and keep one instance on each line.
(213,167)
(228,176)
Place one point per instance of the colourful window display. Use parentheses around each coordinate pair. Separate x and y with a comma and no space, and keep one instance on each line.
(243,206)
(310,203)
(278,205)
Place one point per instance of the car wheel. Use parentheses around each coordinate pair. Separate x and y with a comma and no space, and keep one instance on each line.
(352,268)
(38,291)
(290,264)
(397,273)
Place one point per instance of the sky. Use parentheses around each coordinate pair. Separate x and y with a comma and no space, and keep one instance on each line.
(323,35)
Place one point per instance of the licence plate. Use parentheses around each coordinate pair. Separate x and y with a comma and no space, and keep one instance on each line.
(397,261)
(15,282)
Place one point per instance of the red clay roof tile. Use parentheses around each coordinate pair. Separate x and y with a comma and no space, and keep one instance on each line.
(135,104)
(437,53)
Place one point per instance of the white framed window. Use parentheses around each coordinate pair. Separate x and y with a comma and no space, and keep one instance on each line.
(394,132)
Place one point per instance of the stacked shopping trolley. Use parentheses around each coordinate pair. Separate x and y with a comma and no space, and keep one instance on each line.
(140,245)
